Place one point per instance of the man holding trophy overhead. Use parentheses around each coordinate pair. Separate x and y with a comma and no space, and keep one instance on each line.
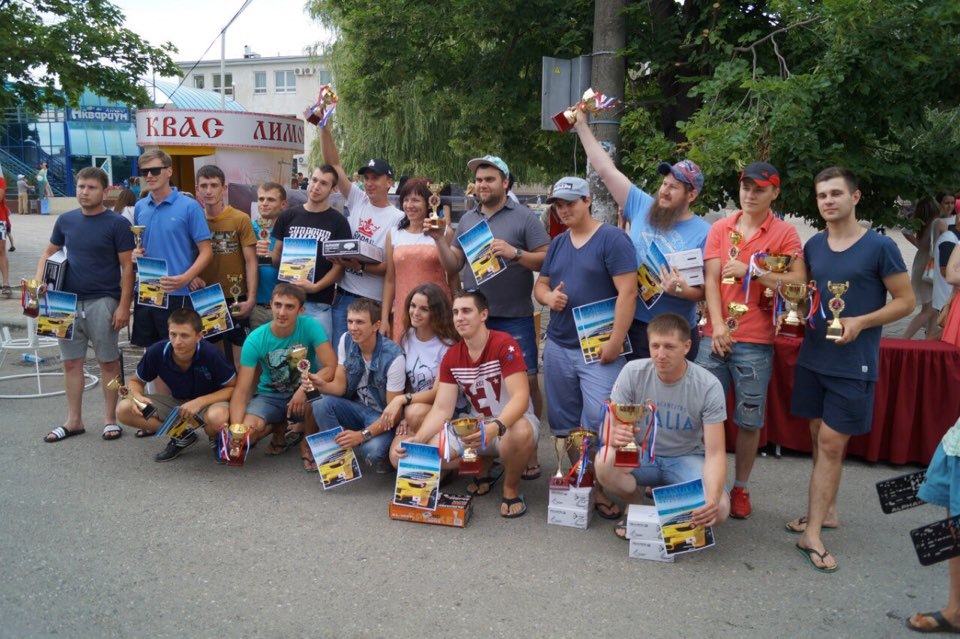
(836,371)
(746,255)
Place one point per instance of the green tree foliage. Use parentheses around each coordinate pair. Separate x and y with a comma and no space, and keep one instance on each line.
(429,85)
(52,50)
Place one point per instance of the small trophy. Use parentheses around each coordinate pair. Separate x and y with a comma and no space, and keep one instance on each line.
(627,456)
(580,440)
(147,410)
(773,263)
(31,293)
(435,219)
(265,225)
(298,355)
(591,102)
(319,113)
(558,481)
(736,310)
(469,461)
(735,238)
(138,235)
(793,294)
(235,291)
(234,444)
(836,304)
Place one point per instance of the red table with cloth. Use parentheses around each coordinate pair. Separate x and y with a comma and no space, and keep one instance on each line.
(917,400)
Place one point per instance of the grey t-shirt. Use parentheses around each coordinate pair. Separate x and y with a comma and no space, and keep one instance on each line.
(683,407)
(509,293)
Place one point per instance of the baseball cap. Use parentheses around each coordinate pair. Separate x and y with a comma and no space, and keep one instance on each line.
(569,189)
(20,177)
(686,171)
(378,166)
(762,173)
(492,160)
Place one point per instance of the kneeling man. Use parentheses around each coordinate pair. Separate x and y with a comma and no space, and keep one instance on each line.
(690,439)
(489,367)
(200,379)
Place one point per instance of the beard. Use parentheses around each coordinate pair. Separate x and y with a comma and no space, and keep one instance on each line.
(663,217)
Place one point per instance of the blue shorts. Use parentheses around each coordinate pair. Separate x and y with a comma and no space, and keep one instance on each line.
(522,330)
(271,407)
(575,390)
(748,368)
(942,485)
(844,404)
(665,471)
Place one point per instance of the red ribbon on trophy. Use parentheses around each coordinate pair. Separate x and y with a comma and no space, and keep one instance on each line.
(319,113)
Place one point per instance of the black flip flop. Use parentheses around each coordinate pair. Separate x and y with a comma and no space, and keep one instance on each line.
(60,433)
(942,624)
(531,472)
(808,554)
(512,501)
(140,434)
(613,511)
(487,482)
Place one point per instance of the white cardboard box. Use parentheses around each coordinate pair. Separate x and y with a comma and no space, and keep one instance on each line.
(572,518)
(692,276)
(575,498)
(653,550)
(643,523)
(692,258)
(354,250)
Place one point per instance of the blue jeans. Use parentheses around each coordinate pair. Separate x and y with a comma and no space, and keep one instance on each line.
(331,412)
(323,313)
(339,312)
(575,390)
(748,368)
(666,471)
(522,330)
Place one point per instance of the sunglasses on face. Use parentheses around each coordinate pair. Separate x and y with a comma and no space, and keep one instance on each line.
(154,171)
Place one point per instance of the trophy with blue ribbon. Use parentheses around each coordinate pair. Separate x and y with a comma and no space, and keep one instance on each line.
(234,444)
(319,113)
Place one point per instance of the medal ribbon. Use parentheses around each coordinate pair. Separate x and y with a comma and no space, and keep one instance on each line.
(483,434)
(650,435)
(606,424)
(815,304)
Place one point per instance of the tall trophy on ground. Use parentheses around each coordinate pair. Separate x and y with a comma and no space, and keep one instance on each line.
(235,291)
(558,481)
(591,102)
(469,460)
(772,263)
(147,410)
(793,295)
(627,456)
(298,357)
(32,293)
(836,305)
(265,225)
(234,444)
(735,238)
(580,441)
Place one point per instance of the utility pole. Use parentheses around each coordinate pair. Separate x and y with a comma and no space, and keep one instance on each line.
(608,71)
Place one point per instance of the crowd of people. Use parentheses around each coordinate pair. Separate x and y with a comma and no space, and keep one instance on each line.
(397,348)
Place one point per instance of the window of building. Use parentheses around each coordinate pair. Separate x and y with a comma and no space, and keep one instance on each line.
(228,90)
(259,82)
(286,81)
(198,81)
(325,77)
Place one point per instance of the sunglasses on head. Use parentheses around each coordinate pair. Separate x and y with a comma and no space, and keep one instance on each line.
(153,170)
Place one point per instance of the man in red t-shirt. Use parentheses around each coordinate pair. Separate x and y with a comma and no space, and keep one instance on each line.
(488,367)
(738,348)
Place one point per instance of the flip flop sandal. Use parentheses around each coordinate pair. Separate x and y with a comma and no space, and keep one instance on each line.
(942,624)
(312,462)
(512,502)
(808,554)
(140,434)
(803,521)
(111,432)
(6,291)
(483,485)
(60,433)
(612,511)
(531,472)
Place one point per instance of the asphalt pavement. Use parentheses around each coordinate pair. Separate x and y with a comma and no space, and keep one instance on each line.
(98,540)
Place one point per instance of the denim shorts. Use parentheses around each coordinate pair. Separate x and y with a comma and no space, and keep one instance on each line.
(321,312)
(270,407)
(665,471)
(844,404)
(748,368)
(575,390)
(942,484)
(94,322)
(522,330)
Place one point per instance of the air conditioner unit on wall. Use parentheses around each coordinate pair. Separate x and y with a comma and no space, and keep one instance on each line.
(304,71)
(298,71)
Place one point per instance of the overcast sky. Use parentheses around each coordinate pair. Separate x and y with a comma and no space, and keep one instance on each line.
(269,27)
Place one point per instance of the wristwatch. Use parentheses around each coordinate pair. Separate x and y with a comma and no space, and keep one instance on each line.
(517,255)
(408,397)
(501,428)
(366,434)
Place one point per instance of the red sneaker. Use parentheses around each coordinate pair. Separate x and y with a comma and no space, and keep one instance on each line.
(740,503)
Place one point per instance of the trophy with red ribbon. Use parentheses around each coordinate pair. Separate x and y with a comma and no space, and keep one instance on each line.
(234,444)
(591,102)
(32,292)
(319,113)
(580,474)
(627,456)
(469,461)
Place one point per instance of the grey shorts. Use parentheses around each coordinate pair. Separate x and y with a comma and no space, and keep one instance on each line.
(94,324)
(165,404)
(259,316)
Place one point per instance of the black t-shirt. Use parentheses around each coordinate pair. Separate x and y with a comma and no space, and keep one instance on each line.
(328,225)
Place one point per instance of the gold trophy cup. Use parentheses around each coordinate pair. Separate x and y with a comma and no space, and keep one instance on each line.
(298,356)
(774,263)
(33,290)
(147,410)
(235,291)
(138,230)
(735,238)
(627,456)
(265,225)
(836,304)
(237,437)
(320,111)
(435,219)
(580,441)
(558,481)
(736,310)
(469,461)
(591,102)
(793,294)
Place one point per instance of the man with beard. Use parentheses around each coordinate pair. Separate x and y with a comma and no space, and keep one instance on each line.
(665,222)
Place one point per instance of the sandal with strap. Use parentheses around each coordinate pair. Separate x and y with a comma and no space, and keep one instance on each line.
(60,433)
(111,432)
(482,485)
(513,502)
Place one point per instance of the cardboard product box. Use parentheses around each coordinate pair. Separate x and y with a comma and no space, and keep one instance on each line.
(692,258)
(55,269)
(570,517)
(693,276)
(353,250)
(652,550)
(643,523)
(573,499)
(452,510)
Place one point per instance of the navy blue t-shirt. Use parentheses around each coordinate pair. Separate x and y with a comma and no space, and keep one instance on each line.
(208,373)
(587,275)
(92,243)
(864,265)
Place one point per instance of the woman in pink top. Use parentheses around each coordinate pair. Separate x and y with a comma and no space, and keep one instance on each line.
(412,255)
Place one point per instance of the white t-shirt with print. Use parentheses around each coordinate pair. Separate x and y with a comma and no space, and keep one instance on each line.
(369,224)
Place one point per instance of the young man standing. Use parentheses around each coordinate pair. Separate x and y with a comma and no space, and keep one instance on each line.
(176,231)
(588,263)
(743,356)
(279,396)
(271,201)
(100,273)
(665,222)
(371,216)
(200,379)
(488,367)
(690,440)
(234,252)
(835,379)
(370,374)
(315,219)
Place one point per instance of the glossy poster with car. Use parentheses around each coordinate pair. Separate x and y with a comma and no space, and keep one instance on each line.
(594,323)
(149,290)
(418,477)
(298,259)
(674,505)
(210,303)
(337,465)
(477,245)
(57,314)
